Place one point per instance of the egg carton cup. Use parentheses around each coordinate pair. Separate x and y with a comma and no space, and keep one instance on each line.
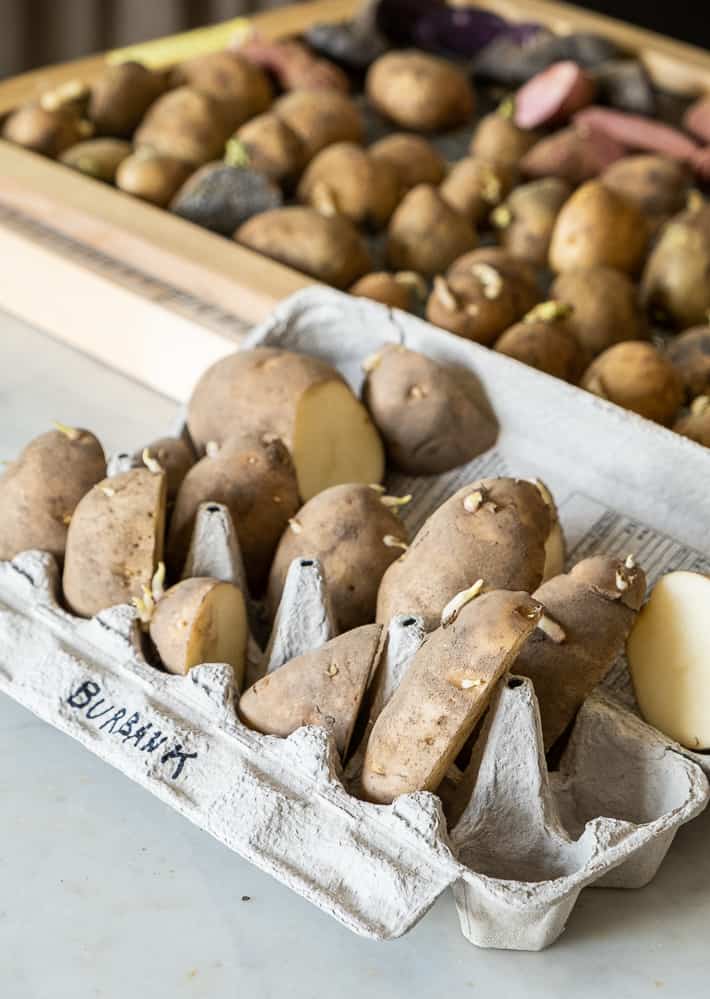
(527,841)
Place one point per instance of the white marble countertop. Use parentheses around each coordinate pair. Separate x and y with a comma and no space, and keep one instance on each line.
(108,893)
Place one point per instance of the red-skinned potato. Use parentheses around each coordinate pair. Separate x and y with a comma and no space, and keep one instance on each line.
(419,91)
(299,399)
(40,490)
(635,375)
(552,96)
(571,154)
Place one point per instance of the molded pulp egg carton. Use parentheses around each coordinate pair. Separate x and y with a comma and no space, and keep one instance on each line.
(527,841)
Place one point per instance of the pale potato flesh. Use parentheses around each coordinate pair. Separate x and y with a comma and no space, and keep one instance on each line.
(669,658)
(334,440)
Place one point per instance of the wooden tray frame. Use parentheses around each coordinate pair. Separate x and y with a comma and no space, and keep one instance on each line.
(154,296)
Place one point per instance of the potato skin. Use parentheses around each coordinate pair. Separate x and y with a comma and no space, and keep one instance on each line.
(571,155)
(597,226)
(320,118)
(344,528)
(221,197)
(380,286)
(40,490)
(241,88)
(427,414)
(414,158)
(42,131)
(115,541)
(328,248)
(473,187)
(186,124)
(501,541)
(256,480)
(97,158)
(695,425)
(689,353)
(498,139)
(363,189)
(605,307)
(152,177)
(273,147)
(675,279)
(176,458)
(547,346)
(657,185)
(120,97)
(526,218)
(636,376)
(419,91)
(425,234)
(253,391)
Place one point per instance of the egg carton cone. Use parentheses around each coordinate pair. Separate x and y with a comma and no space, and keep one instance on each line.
(286,804)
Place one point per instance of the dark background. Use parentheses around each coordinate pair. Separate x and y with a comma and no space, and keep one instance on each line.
(40,32)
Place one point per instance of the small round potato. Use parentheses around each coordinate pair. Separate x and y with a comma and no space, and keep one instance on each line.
(696,424)
(186,124)
(420,91)
(635,375)
(241,88)
(657,185)
(605,304)
(429,415)
(482,295)
(675,285)
(272,147)
(527,217)
(328,248)
(152,177)
(346,179)
(320,118)
(425,234)
(121,96)
(396,290)
(97,158)
(597,226)
(498,139)
(689,353)
(473,187)
(544,340)
(43,131)
(414,158)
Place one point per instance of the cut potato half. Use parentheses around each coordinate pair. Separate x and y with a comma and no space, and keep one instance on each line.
(669,658)
(198,621)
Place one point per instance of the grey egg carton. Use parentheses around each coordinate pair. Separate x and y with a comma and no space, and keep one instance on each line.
(527,841)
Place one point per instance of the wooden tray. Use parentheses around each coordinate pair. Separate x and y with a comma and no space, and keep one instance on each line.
(151,294)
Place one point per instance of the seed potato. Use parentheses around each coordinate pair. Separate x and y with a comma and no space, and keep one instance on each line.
(605,307)
(419,91)
(345,179)
(635,375)
(425,234)
(414,158)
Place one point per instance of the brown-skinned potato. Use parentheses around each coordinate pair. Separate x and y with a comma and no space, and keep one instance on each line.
(320,118)
(176,457)
(40,490)
(326,247)
(635,375)
(526,219)
(595,227)
(254,477)
(695,424)
(152,177)
(97,158)
(186,124)
(428,415)
(483,294)
(595,606)
(498,139)
(355,536)
(324,687)
(425,234)
(121,95)
(658,185)
(419,91)
(43,131)
(345,179)
(444,692)
(272,147)
(473,187)
(299,399)
(241,88)
(675,282)
(399,291)
(605,307)
(500,527)
(201,620)
(689,353)
(572,154)
(115,541)
(414,158)
(544,340)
